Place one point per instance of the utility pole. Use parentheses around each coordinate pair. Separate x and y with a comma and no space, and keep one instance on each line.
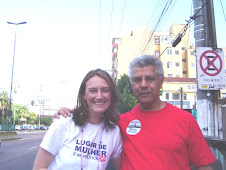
(181,97)
(10,100)
(209,114)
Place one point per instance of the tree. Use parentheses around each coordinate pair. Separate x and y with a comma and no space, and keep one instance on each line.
(46,121)
(4,103)
(32,103)
(16,86)
(32,118)
(20,112)
(127,101)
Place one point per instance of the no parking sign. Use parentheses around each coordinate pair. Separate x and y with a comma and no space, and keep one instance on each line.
(210,67)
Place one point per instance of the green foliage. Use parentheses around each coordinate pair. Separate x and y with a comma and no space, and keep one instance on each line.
(161,91)
(127,101)
(32,118)
(32,102)
(4,105)
(21,111)
(46,121)
(16,86)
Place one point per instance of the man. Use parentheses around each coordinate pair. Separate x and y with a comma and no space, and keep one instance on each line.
(157,135)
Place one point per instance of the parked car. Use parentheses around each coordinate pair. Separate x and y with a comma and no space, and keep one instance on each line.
(17,127)
(31,127)
(36,127)
(43,128)
(25,127)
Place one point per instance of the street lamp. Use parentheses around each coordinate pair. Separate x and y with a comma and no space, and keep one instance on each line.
(10,100)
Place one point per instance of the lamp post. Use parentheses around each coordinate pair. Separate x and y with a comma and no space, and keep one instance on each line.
(10,100)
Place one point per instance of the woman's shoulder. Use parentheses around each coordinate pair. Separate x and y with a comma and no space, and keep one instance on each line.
(63,121)
(115,129)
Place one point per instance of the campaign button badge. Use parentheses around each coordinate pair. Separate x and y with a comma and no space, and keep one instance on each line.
(134,127)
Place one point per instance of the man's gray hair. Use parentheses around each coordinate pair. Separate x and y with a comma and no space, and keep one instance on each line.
(146,60)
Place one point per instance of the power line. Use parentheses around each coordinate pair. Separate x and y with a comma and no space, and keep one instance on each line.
(112,6)
(178,38)
(160,18)
(163,20)
(152,19)
(100,30)
(223,10)
(120,26)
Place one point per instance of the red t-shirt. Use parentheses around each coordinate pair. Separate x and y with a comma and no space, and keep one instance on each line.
(167,139)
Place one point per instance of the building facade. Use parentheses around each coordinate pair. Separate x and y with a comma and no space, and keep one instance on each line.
(179,62)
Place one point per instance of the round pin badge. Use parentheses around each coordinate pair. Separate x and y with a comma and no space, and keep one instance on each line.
(134,127)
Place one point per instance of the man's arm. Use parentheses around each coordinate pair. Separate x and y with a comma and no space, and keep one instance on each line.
(65,112)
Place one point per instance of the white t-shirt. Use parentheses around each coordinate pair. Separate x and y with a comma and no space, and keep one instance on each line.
(73,149)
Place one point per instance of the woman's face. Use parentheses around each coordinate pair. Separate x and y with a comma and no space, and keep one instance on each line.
(98,96)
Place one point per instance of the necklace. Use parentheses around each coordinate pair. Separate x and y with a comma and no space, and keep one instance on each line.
(100,142)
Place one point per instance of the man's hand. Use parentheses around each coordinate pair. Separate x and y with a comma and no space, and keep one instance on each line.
(64,112)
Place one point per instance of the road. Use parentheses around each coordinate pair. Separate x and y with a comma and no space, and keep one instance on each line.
(20,154)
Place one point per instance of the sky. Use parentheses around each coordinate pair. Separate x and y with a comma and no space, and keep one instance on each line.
(64,39)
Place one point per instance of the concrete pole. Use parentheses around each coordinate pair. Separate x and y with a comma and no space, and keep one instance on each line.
(181,97)
(208,108)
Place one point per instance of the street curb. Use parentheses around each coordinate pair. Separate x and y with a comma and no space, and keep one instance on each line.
(9,139)
(8,136)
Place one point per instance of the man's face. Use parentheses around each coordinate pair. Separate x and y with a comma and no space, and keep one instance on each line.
(146,86)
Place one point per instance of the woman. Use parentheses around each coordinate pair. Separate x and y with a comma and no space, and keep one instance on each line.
(89,138)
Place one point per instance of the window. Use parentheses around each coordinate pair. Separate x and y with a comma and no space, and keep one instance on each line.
(167,96)
(176,96)
(189,86)
(41,101)
(193,86)
(184,96)
(192,64)
(177,64)
(169,40)
(169,75)
(117,40)
(192,53)
(183,48)
(169,51)
(156,40)
(176,52)
(184,72)
(166,40)
(169,64)
(115,50)
(157,53)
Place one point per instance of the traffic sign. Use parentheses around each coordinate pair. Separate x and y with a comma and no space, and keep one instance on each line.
(210,67)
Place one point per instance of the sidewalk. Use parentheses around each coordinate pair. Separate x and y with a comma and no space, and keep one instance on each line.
(5,135)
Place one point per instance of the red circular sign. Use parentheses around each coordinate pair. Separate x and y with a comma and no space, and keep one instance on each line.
(211,67)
